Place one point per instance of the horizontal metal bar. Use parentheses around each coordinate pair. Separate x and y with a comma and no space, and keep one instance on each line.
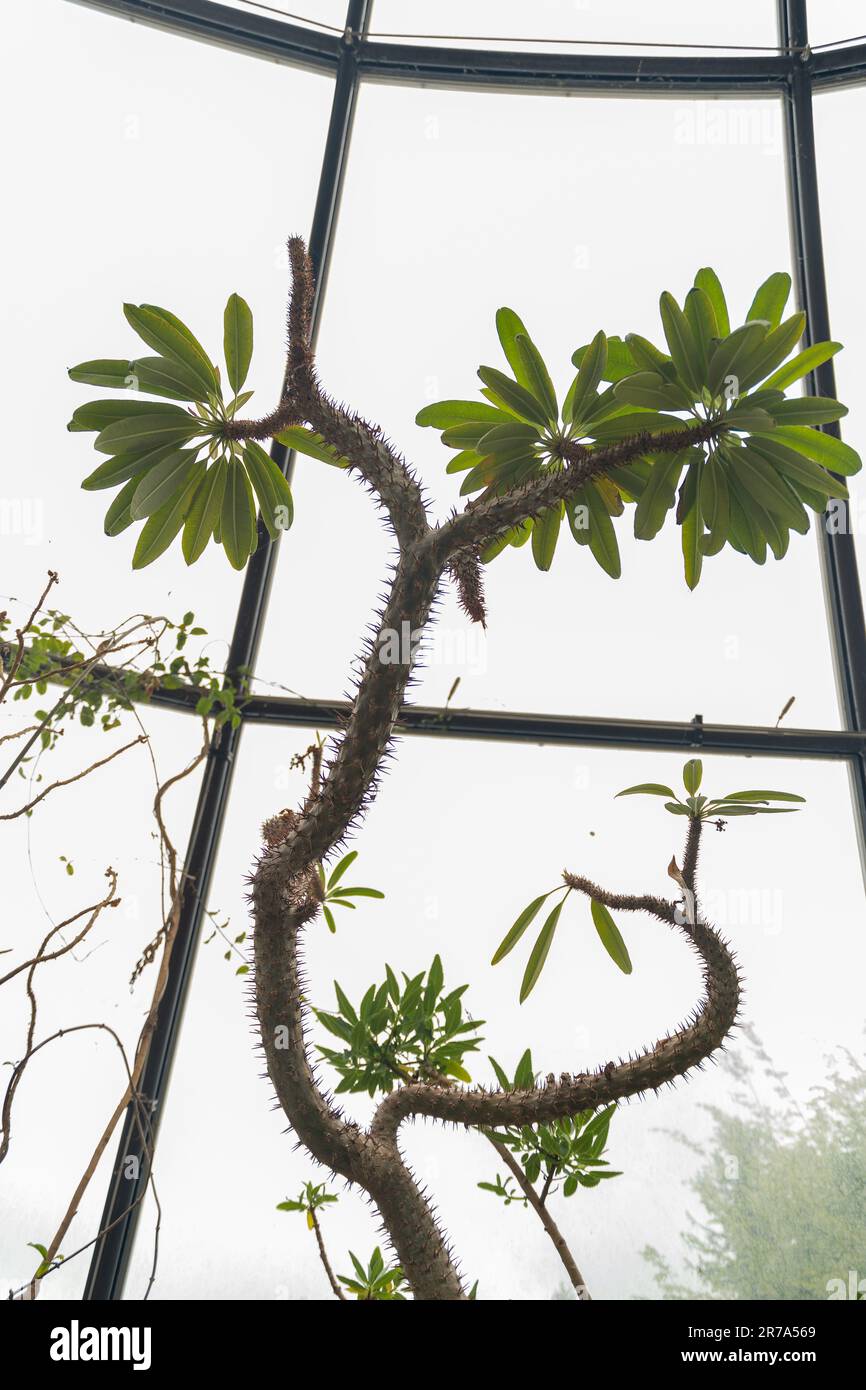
(270,37)
(497,725)
(839,67)
(262,35)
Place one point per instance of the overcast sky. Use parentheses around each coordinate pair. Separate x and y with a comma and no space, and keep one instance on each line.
(153,168)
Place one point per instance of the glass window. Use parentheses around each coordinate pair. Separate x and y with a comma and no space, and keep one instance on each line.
(434,235)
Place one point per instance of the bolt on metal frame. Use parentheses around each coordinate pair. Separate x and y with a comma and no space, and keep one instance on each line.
(793,73)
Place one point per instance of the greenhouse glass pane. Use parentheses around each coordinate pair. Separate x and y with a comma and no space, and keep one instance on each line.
(460,839)
(195,173)
(576,213)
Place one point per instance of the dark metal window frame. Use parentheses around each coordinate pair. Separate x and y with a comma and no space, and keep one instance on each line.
(793,74)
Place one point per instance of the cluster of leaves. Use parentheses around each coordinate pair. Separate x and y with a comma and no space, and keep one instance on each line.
(608,934)
(311,1197)
(56,650)
(174,464)
(409,1032)
(376,1282)
(334,894)
(696,807)
(566,1154)
(746,486)
(747,803)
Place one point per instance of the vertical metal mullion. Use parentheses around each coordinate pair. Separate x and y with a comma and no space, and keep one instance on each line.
(113,1249)
(838,556)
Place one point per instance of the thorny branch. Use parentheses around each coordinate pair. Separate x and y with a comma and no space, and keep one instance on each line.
(283,893)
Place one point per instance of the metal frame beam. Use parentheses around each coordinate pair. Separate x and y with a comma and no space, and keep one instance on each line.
(123,1203)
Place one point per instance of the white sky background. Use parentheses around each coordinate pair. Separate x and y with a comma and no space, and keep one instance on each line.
(166,171)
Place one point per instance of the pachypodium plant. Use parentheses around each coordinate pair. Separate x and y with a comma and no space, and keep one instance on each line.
(706,429)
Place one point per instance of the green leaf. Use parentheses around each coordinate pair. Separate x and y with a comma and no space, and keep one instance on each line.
(763,796)
(766,356)
(798,469)
(800,366)
(763,483)
(770,300)
(692,774)
(825,449)
(511,938)
(602,537)
(692,524)
(237,340)
(141,432)
(204,512)
(97,415)
(659,495)
(536,377)
(160,529)
(165,333)
(681,342)
(237,516)
(106,371)
(715,505)
(649,358)
(271,487)
(508,325)
(345,863)
(524,1076)
(545,534)
(648,789)
(119,517)
(732,354)
(708,281)
(610,936)
(161,376)
(539,953)
(583,389)
(514,397)
(358,893)
(809,410)
(511,438)
(163,481)
(650,390)
(120,467)
(442,415)
(304,441)
(702,321)
(619,363)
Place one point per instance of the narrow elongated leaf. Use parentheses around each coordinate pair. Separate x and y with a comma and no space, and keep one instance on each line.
(585,385)
(681,342)
(825,449)
(649,358)
(763,483)
(800,366)
(728,359)
(771,297)
(619,362)
(610,937)
(537,377)
(797,468)
(165,333)
(602,537)
(715,505)
(106,371)
(118,517)
(651,390)
(514,397)
(809,410)
(692,524)
(507,438)
(237,516)
(659,495)
(123,466)
(708,281)
(540,952)
(508,325)
(526,918)
(160,529)
(237,340)
(305,441)
(763,796)
(271,488)
(702,320)
(773,349)
(97,415)
(140,432)
(345,863)
(692,774)
(161,376)
(443,414)
(545,534)
(648,789)
(160,483)
(204,512)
